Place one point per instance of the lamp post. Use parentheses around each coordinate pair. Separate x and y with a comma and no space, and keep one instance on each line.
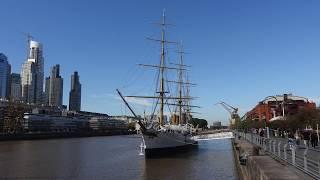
(274,113)
(283,112)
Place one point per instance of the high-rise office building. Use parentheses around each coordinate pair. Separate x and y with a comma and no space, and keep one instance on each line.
(32,74)
(5,69)
(75,93)
(28,82)
(47,90)
(15,89)
(54,87)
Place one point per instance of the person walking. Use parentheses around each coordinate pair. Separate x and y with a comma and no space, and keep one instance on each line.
(314,138)
(290,139)
(261,133)
(306,138)
(297,137)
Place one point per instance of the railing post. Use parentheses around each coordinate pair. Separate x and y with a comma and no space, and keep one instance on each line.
(305,162)
(285,151)
(260,142)
(293,156)
(319,166)
(265,144)
(279,151)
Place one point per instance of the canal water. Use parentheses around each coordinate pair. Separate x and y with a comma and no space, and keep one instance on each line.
(112,157)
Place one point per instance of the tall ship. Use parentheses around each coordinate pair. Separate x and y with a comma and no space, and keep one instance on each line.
(160,136)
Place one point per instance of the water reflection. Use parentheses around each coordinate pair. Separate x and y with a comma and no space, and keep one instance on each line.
(211,160)
(111,158)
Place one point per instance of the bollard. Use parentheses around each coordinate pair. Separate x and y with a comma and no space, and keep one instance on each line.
(141,149)
(305,162)
(285,151)
(293,156)
(279,151)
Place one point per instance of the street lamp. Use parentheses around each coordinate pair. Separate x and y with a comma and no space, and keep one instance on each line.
(274,114)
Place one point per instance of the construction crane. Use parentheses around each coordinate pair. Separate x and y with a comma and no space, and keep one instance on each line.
(235,118)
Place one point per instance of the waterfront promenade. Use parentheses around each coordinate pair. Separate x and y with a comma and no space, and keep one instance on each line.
(300,159)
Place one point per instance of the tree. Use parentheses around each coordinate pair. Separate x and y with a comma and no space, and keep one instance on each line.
(249,123)
(132,126)
(305,117)
(201,122)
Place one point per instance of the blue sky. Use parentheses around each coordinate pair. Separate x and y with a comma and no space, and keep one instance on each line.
(240,51)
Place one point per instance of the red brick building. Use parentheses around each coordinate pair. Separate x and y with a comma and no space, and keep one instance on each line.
(275,106)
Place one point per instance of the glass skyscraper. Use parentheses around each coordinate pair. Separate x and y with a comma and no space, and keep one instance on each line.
(5,69)
(15,92)
(75,93)
(32,75)
(54,87)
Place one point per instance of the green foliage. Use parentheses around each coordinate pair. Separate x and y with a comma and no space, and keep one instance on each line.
(201,122)
(305,117)
(248,123)
(132,126)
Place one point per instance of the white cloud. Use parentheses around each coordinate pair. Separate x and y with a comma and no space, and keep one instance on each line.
(138,101)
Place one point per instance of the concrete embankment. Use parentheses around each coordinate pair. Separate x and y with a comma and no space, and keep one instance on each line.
(36,136)
(256,165)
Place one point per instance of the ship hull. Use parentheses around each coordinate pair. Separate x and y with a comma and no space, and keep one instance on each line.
(165,143)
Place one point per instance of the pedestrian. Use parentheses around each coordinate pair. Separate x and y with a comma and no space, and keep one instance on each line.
(290,139)
(314,138)
(261,133)
(297,137)
(306,138)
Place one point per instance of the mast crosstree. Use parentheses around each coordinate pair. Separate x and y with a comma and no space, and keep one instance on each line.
(162,69)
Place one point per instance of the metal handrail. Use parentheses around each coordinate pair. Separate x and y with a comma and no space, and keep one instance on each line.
(273,148)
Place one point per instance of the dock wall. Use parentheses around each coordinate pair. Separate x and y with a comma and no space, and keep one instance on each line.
(260,166)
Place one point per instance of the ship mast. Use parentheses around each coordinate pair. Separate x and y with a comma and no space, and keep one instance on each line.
(180,84)
(162,67)
(188,115)
(162,64)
